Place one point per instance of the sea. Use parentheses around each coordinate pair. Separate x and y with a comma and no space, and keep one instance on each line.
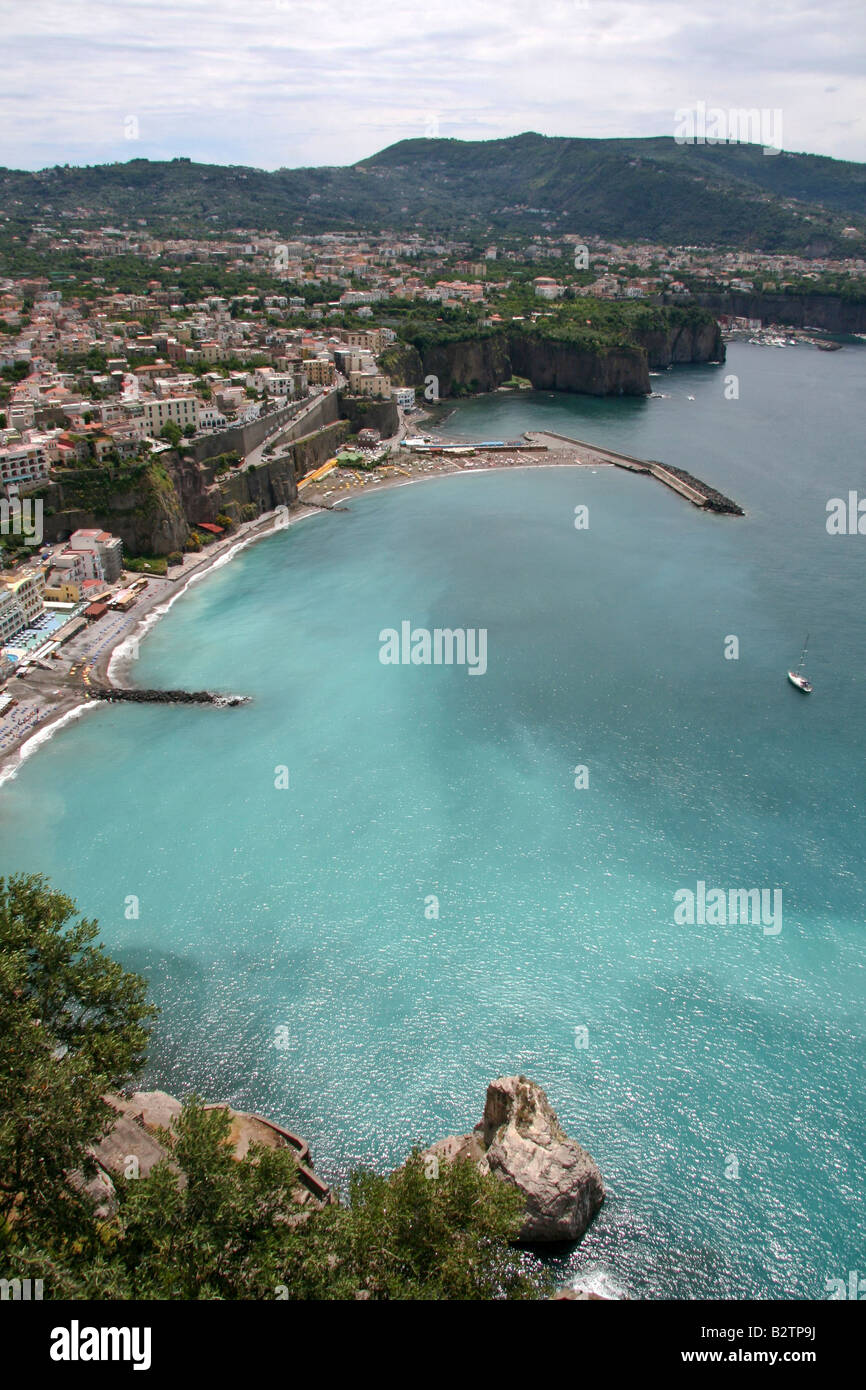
(372,889)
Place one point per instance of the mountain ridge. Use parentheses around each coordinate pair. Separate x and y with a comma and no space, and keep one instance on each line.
(620,189)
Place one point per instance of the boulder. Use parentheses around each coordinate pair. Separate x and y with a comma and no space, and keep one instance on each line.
(520,1140)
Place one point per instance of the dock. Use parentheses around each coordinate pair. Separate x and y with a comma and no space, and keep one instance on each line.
(700,494)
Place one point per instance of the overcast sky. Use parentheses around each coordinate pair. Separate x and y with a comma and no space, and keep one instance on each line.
(278,82)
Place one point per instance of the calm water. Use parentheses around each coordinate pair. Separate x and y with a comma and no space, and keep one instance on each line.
(711,1048)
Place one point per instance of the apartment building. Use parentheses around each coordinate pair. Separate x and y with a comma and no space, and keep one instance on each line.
(27,589)
(183,410)
(320,371)
(11,617)
(370,383)
(108,549)
(29,460)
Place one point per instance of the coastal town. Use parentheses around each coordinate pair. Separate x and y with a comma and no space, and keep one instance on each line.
(226,345)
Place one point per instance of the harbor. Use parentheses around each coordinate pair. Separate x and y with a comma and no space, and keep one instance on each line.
(555,449)
(699,493)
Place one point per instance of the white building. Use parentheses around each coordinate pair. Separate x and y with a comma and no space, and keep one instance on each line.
(546,288)
(183,410)
(209,418)
(108,549)
(404,396)
(28,461)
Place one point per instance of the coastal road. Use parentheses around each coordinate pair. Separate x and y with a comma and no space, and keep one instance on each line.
(256,455)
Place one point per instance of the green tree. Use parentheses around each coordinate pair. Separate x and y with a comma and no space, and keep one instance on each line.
(201,1224)
(171,432)
(416,1235)
(73,1024)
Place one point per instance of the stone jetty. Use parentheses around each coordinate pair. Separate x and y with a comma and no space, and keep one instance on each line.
(114,694)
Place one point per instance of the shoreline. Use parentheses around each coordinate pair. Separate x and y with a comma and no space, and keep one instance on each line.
(61,699)
(60,695)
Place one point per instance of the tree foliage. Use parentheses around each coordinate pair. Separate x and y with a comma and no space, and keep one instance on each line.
(73,1024)
(201,1224)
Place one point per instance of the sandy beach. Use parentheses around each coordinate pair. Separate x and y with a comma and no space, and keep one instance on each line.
(51,697)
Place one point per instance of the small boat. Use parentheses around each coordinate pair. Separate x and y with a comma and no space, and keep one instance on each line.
(796,677)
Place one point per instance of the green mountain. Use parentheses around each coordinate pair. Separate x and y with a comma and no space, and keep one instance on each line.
(724,195)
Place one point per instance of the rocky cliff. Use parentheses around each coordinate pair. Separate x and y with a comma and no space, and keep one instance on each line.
(466,366)
(363,413)
(682,343)
(140,504)
(153,506)
(552,365)
(830,312)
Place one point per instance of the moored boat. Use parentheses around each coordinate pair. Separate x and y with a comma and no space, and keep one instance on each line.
(800,682)
(797,679)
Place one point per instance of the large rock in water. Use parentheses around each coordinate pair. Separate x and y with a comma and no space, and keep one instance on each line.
(521,1140)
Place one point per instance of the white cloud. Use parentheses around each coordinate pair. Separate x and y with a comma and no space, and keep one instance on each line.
(271,83)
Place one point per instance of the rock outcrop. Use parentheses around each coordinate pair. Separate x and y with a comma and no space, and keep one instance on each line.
(520,1140)
(550,363)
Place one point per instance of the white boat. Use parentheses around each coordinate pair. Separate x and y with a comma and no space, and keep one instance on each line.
(797,678)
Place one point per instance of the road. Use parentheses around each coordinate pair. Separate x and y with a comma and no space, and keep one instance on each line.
(255,456)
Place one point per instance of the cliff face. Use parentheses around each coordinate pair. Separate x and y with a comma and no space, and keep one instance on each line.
(140,505)
(253,491)
(555,365)
(684,343)
(363,413)
(402,362)
(154,506)
(827,311)
(474,364)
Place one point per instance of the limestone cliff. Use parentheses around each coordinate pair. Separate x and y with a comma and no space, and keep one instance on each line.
(153,506)
(552,363)
(682,343)
(363,413)
(140,504)
(829,312)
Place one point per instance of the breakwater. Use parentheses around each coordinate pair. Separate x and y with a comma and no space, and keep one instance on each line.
(699,493)
(116,694)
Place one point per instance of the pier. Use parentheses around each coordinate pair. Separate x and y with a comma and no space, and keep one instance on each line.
(115,694)
(700,494)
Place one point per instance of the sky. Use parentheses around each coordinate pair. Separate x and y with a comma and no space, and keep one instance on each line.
(278,83)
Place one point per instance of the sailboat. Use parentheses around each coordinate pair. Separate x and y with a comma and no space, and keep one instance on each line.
(796,677)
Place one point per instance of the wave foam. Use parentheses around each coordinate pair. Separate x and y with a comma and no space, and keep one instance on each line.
(35,741)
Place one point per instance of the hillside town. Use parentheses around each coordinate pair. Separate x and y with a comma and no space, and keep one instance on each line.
(95,376)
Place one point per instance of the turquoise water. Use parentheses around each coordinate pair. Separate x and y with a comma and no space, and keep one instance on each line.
(711,1048)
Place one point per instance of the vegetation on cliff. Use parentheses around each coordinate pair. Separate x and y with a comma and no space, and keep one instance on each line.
(202,1224)
(582,344)
(136,501)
